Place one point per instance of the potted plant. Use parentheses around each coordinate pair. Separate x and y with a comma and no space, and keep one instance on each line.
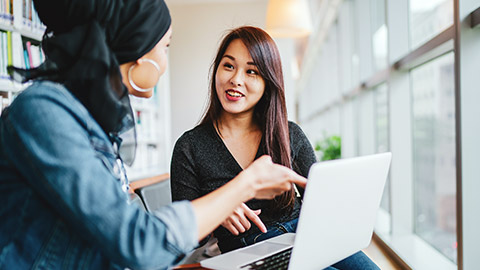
(329,148)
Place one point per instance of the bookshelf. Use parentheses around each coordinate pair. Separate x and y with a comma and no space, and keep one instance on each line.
(20,45)
(152,117)
(20,35)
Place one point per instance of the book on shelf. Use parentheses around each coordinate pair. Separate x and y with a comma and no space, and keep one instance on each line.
(28,46)
(32,55)
(3,57)
(25,59)
(18,51)
(36,55)
(27,15)
(9,48)
(17,12)
(24,16)
(5,51)
(6,15)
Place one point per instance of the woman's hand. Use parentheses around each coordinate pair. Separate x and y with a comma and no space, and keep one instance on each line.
(238,222)
(270,180)
(261,180)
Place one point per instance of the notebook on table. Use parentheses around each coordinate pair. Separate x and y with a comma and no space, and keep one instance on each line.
(338,214)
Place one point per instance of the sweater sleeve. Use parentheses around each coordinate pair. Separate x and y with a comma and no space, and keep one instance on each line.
(303,156)
(183,177)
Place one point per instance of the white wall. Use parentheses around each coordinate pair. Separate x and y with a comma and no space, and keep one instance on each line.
(197,30)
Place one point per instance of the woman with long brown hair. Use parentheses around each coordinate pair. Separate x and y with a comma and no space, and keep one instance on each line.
(246,118)
(63,189)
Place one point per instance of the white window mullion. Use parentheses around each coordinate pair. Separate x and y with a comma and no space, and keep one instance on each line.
(364,38)
(401,147)
(366,130)
(469,59)
(397,23)
(349,134)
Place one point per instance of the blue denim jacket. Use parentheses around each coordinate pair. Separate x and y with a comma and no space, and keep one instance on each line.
(62,205)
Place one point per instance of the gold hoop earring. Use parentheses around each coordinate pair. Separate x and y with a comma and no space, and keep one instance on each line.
(134,86)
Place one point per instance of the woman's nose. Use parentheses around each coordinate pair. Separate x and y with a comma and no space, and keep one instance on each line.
(237,79)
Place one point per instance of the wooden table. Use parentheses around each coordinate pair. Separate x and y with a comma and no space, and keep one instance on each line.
(134,185)
(194,266)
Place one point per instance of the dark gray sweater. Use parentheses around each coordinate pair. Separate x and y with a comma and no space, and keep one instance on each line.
(202,163)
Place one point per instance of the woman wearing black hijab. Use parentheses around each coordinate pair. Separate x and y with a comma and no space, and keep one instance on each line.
(61,177)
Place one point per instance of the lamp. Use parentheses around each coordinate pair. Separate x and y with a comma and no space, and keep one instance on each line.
(288,18)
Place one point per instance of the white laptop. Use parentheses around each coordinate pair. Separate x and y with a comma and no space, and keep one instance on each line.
(336,220)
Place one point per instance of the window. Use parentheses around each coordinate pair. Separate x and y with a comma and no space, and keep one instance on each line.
(434,170)
(379,35)
(397,80)
(382,134)
(428,18)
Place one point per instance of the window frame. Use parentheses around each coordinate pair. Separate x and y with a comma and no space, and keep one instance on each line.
(460,38)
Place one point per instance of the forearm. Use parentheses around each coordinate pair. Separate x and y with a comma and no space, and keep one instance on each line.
(213,208)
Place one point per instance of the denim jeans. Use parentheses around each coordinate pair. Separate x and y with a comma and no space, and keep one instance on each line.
(272,231)
(357,261)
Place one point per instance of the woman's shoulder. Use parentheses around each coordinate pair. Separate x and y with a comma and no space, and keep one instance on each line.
(49,89)
(47,92)
(298,139)
(46,95)
(294,129)
(195,136)
(200,130)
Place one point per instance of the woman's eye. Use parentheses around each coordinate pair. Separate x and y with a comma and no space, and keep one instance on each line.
(252,72)
(228,66)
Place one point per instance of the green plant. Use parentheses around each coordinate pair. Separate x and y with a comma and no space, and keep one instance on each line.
(329,148)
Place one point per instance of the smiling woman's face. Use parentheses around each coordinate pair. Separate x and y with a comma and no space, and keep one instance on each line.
(238,84)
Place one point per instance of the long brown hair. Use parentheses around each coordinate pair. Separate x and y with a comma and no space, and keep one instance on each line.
(270,112)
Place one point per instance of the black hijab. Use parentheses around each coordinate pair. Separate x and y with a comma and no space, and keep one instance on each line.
(84,44)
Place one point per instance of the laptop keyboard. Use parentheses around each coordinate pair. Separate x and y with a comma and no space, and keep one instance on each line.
(275,261)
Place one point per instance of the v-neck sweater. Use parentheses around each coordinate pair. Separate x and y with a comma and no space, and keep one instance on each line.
(201,163)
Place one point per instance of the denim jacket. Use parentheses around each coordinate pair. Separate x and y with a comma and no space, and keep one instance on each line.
(62,205)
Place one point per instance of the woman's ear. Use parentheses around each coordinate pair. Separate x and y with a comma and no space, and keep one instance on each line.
(145,73)
(129,80)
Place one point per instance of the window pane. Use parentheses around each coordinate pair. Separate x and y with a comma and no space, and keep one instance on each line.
(379,35)
(382,134)
(428,18)
(434,154)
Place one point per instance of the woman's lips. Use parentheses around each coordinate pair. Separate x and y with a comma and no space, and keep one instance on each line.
(233,95)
